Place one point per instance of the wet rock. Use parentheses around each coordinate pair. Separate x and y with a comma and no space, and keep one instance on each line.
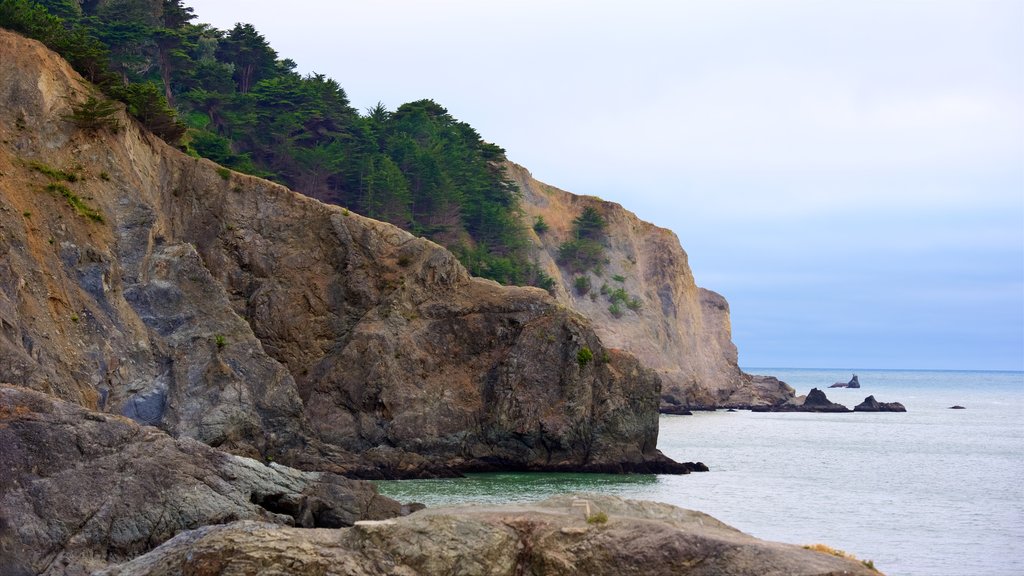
(815,401)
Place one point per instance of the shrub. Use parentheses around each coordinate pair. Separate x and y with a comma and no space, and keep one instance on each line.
(634,304)
(104,176)
(584,356)
(580,255)
(619,295)
(220,341)
(224,172)
(597,518)
(619,278)
(582,284)
(615,310)
(539,225)
(94,115)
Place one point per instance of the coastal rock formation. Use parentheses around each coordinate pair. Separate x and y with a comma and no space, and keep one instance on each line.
(871,405)
(549,537)
(679,329)
(80,489)
(140,281)
(853,383)
(957,407)
(816,401)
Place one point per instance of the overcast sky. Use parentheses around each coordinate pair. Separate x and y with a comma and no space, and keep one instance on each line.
(849,174)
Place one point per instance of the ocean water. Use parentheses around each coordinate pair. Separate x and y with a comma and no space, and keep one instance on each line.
(932,491)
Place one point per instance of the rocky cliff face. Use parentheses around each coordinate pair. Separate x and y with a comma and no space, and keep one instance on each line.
(229,309)
(81,489)
(680,330)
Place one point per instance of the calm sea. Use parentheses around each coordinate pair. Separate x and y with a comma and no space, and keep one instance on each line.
(932,491)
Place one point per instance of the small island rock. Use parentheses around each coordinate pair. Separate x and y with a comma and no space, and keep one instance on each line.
(871,405)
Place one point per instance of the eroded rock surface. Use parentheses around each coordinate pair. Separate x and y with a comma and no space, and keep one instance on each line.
(549,538)
(229,309)
(680,330)
(871,405)
(80,489)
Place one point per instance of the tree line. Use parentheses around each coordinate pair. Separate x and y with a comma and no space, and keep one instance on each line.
(228,96)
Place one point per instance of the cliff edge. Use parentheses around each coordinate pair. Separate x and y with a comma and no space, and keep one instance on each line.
(137,280)
(675,327)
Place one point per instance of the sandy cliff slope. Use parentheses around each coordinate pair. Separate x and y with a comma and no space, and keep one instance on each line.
(681,330)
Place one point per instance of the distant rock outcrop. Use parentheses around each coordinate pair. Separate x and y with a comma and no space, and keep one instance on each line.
(677,328)
(871,405)
(853,383)
(80,489)
(957,407)
(816,401)
(549,537)
(229,309)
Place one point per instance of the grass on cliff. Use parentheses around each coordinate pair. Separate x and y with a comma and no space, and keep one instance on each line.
(80,207)
(826,549)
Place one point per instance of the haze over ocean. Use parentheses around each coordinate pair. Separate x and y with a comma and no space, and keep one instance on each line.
(929,492)
(850,175)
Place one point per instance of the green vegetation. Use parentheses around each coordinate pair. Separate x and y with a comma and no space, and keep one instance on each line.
(80,207)
(619,278)
(228,96)
(94,115)
(585,251)
(539,225)
(224,173)
(582,284)
(220,341)
(584,356)
(597,518)
(104,176)
(53,173)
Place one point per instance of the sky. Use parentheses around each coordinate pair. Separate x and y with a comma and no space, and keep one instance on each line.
(849,175)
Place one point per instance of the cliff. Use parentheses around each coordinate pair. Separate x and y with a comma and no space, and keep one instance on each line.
(679,329)
(137,280)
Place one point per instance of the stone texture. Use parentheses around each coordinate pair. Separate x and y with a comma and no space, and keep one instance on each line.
(682,331)
(871,405)
(549,538)
(816,401)
(80,489)
(229,309)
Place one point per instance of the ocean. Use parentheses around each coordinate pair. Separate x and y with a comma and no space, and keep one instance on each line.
(932,491)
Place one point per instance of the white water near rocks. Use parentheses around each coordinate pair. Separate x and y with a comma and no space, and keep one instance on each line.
(932,491)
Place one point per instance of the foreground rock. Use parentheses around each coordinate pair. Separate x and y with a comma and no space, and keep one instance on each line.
(871,405)
(547,538)
(816,401)
(81,489)
(231,310)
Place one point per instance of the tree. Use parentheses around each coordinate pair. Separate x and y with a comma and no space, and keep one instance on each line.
(250,53)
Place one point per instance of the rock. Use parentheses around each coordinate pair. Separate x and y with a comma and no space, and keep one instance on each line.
(682,330)
(80,489)
(871,405)
(816,401)
(549,537)
(228,309)
(853,383)
(957,407)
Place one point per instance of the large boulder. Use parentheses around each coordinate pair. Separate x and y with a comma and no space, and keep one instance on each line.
(80,489)
(547,538)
